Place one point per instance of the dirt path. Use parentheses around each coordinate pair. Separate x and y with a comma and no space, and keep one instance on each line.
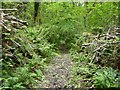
(58,72)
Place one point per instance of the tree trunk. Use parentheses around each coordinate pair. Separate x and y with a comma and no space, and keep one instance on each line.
(36,7)
(119,15)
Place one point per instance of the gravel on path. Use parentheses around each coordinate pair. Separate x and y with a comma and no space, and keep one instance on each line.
(57,74)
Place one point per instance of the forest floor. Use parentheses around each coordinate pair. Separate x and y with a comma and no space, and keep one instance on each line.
(57,74)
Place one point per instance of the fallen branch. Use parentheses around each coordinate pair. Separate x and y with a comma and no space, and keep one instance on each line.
(103,35)
(88,44)
(15,43)
(15,19)
(8,9)
(10,18)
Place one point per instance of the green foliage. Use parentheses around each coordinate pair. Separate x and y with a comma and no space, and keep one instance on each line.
(12,83)
(32,57)
(101,15)
(105,78)
(86,71)
(82,74)
(85,74)
(35,41)
(79,57)
(62,21)
(27,51)
(82,71)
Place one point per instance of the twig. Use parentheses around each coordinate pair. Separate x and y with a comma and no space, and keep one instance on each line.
(88,44)
(113,42)
(15,43)
(99,48)
(103,35)
(8,9)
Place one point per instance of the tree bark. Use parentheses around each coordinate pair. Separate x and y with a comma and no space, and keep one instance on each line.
(36,7)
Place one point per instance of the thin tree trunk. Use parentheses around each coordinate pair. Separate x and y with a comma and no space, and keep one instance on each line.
(36,7)
(119,15)
(86,5)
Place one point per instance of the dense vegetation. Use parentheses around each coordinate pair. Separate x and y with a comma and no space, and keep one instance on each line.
(89,31)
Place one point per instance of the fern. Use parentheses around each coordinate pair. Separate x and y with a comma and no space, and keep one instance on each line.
(105,78)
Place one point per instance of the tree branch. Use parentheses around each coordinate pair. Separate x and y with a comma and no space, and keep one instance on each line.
(8,9)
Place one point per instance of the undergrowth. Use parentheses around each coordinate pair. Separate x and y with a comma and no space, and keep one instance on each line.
(97,72)
(29,59)
(80,27)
